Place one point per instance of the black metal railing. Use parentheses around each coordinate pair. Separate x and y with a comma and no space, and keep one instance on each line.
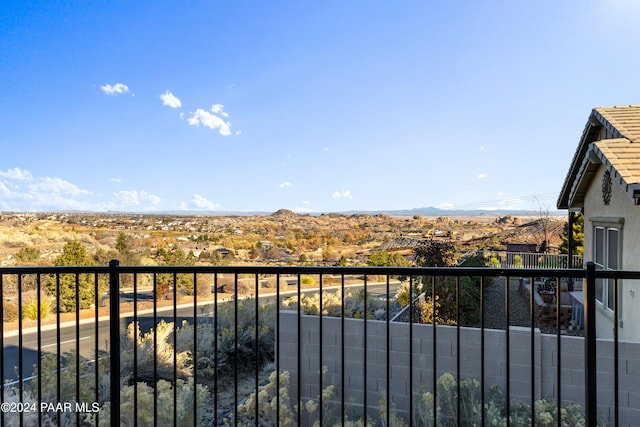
(245,345)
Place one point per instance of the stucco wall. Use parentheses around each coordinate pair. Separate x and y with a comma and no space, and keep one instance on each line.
(621,206)
(420,365)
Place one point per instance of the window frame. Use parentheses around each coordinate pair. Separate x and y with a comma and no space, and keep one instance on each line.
(607,255)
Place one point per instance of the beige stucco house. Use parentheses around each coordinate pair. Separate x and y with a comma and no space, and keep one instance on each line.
(603,184)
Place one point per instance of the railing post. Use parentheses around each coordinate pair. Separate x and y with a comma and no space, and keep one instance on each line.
(591,408)
(114,339)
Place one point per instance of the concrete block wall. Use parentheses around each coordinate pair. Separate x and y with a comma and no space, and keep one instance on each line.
(548,361)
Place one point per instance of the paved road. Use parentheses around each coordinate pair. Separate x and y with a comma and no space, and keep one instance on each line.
(84,338)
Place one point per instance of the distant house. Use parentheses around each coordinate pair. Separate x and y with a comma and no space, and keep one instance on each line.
(603,184)
(522,247)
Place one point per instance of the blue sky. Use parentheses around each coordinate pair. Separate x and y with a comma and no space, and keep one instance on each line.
(210,105)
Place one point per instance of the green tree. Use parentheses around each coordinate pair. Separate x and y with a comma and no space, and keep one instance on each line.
(81,288)
(434,253)
(383,258)
(177,256)
(578,236)
(440,291)
(121,242)
(126,255)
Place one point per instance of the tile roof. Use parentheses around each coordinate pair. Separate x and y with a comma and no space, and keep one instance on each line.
(620,154)
(624,120)
(622,159)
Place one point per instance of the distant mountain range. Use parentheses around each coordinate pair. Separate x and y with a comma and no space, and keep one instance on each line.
(426,211)
(431,211)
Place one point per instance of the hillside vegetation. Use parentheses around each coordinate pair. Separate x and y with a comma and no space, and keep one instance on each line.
(283,237)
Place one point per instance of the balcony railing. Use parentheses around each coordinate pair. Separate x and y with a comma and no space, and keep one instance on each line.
(124,345)
(538,260)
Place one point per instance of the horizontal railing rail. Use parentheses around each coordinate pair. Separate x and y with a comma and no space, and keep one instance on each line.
(262,345)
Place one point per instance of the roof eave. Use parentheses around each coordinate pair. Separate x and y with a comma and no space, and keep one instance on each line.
(591,129)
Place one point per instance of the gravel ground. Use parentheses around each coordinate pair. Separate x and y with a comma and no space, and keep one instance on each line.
(494,313)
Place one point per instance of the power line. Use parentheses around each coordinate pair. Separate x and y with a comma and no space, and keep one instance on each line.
(506,201)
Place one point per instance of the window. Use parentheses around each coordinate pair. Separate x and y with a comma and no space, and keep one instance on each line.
(606,242)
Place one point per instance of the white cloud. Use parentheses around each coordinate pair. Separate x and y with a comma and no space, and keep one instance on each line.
(21,191)
(127,198)
(116,180)
(219,109)
(203,203)
(170,100)
(239,132)
(116,89)
(285,184)
(211,119)
(135,198)
(199,203)
(342,194)
(17,174)
(482,175)
(57,186)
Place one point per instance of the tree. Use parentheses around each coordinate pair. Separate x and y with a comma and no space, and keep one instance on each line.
(434,253)
(125,254)
(441,291)
(578,237)
(543,226)
(80,289)
(383,258)
(121,242)
(176,256)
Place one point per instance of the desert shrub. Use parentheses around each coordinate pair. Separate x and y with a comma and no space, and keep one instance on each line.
(163,406)
(12,396)
(449,390)
(494,261)
(28,255)
(204,282)
(67,377)
(307,280)
(161,349)
(517,260)
(269,397)
(162,290)
(333,304)
(402,294)
(244,287)
(9,311)
(30,308)
(447,297)
(247,353)
(428,309)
